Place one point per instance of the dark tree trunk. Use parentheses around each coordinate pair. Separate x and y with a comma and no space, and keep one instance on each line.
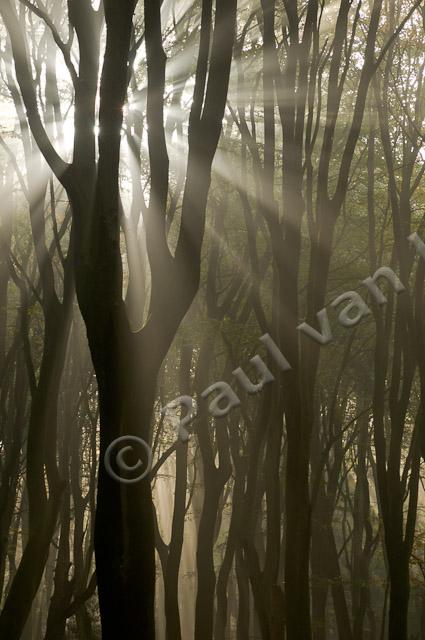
(171,575)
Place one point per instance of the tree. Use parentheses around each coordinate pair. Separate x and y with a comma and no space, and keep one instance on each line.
(125,362)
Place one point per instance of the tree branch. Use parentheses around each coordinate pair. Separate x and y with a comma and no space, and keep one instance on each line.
(42,13)
(24,77)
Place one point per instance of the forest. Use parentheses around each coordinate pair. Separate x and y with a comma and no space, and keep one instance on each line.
(212,319)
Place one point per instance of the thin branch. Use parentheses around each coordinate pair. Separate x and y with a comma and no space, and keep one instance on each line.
(41,12)
(19,174)
(392,38)
(24,77)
